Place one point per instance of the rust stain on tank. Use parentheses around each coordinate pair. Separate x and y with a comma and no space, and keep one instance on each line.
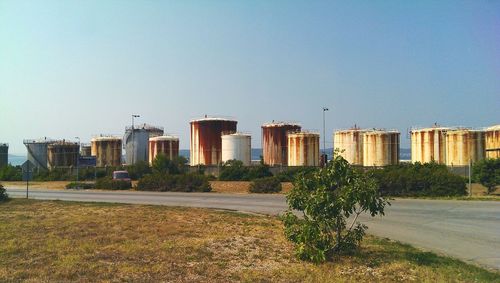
(303,149)
(107,150)
(492,137)
(169,146)
(380,148)
(206,141)
(464,145)
(62,154)
(274,142)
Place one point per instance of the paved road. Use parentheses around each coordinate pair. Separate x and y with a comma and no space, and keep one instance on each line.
(469,230)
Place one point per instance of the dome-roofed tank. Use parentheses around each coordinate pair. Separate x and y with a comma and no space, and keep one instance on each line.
(62,154)
(206,141)
(428,145)
(37,152)
(275,142)
(492,135)
(4,154)
(464,145)
(303,149)
(137,141)
(349,143)
(167,145)
(380,148)
(237,147)
(107,150)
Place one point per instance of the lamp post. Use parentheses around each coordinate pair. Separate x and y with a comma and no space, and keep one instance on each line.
(77,159)
(324,133)
(133,141)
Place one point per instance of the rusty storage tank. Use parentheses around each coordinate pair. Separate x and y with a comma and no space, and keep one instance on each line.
(380,148)
(463,145)
(350,145)
(62,154)
(4,154)
(167,145)
(37,152)
(492,135)
(428,144)
(137,141)
(85,150)
(206,141)
(107,150)
(275,143)
(303,149)
(237,146)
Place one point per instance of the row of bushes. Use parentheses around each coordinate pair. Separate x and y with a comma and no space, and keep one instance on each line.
(190,182)
(3,194)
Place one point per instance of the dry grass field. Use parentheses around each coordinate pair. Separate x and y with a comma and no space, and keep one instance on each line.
(49,241)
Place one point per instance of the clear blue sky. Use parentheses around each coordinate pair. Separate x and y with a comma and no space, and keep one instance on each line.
(81,68)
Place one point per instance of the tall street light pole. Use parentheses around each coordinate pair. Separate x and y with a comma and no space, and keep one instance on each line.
(133,141)
(77,159)
(324,132)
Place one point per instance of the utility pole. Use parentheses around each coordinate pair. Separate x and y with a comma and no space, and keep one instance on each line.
(133,141)
(77,159)
(324,133)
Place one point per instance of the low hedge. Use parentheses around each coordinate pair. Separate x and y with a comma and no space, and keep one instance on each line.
(107,183)
(265,185)
(80,185)
(191,182)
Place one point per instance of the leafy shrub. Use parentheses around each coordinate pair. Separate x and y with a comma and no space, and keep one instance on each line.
(163,165)
(233,170)
(107,183)
(259,171)
(487,172)
(79,185)
(138,170)
(11,173)
(55,174)
(290,174)
(429,179)
(191,182)
(265,185)
(327,198)
(3,194)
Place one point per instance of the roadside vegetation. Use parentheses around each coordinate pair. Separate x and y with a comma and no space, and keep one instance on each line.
(487,173)
(3,194)
(55,241)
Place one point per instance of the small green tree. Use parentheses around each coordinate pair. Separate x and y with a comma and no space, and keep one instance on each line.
(487,172)
(233,170)
(163,165)
(3,194)
(326,199)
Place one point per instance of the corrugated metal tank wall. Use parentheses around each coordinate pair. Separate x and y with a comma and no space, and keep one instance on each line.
(37,152)
(350,145)
(380,148)
(493,142)
(107,150)
(206,141)
(167,145)
(4,154)
(85,150)
(237,146)
(303,149)
(428,145)
(62,154)
(137,144)
(275,142)
(463,145)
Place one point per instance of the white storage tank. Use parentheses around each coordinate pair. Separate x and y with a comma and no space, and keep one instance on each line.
(428,145)
(303,149)
(350,145)
(464,145)
(380,148)
(237,146)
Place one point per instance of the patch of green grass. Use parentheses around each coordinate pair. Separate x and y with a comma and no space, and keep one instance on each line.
(73,241)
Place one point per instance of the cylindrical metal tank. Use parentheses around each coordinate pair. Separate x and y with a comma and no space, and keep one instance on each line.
(237,146)
(4,154)
(380,148)
(275,143)
(492,135)
(428,145)
(464,145)
(85,150)
(350,145)
(62,154)
(206,141)
(167,145)
(37,152)
(137,142)
(303,149)
(107,151)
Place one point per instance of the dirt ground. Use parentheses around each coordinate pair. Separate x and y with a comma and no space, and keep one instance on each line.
(240,187)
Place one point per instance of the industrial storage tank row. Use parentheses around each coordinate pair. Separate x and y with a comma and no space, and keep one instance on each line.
(303,149)
(428,145)
(107,150)
(136,141)
(62,154)
(275,142)
(167,145)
